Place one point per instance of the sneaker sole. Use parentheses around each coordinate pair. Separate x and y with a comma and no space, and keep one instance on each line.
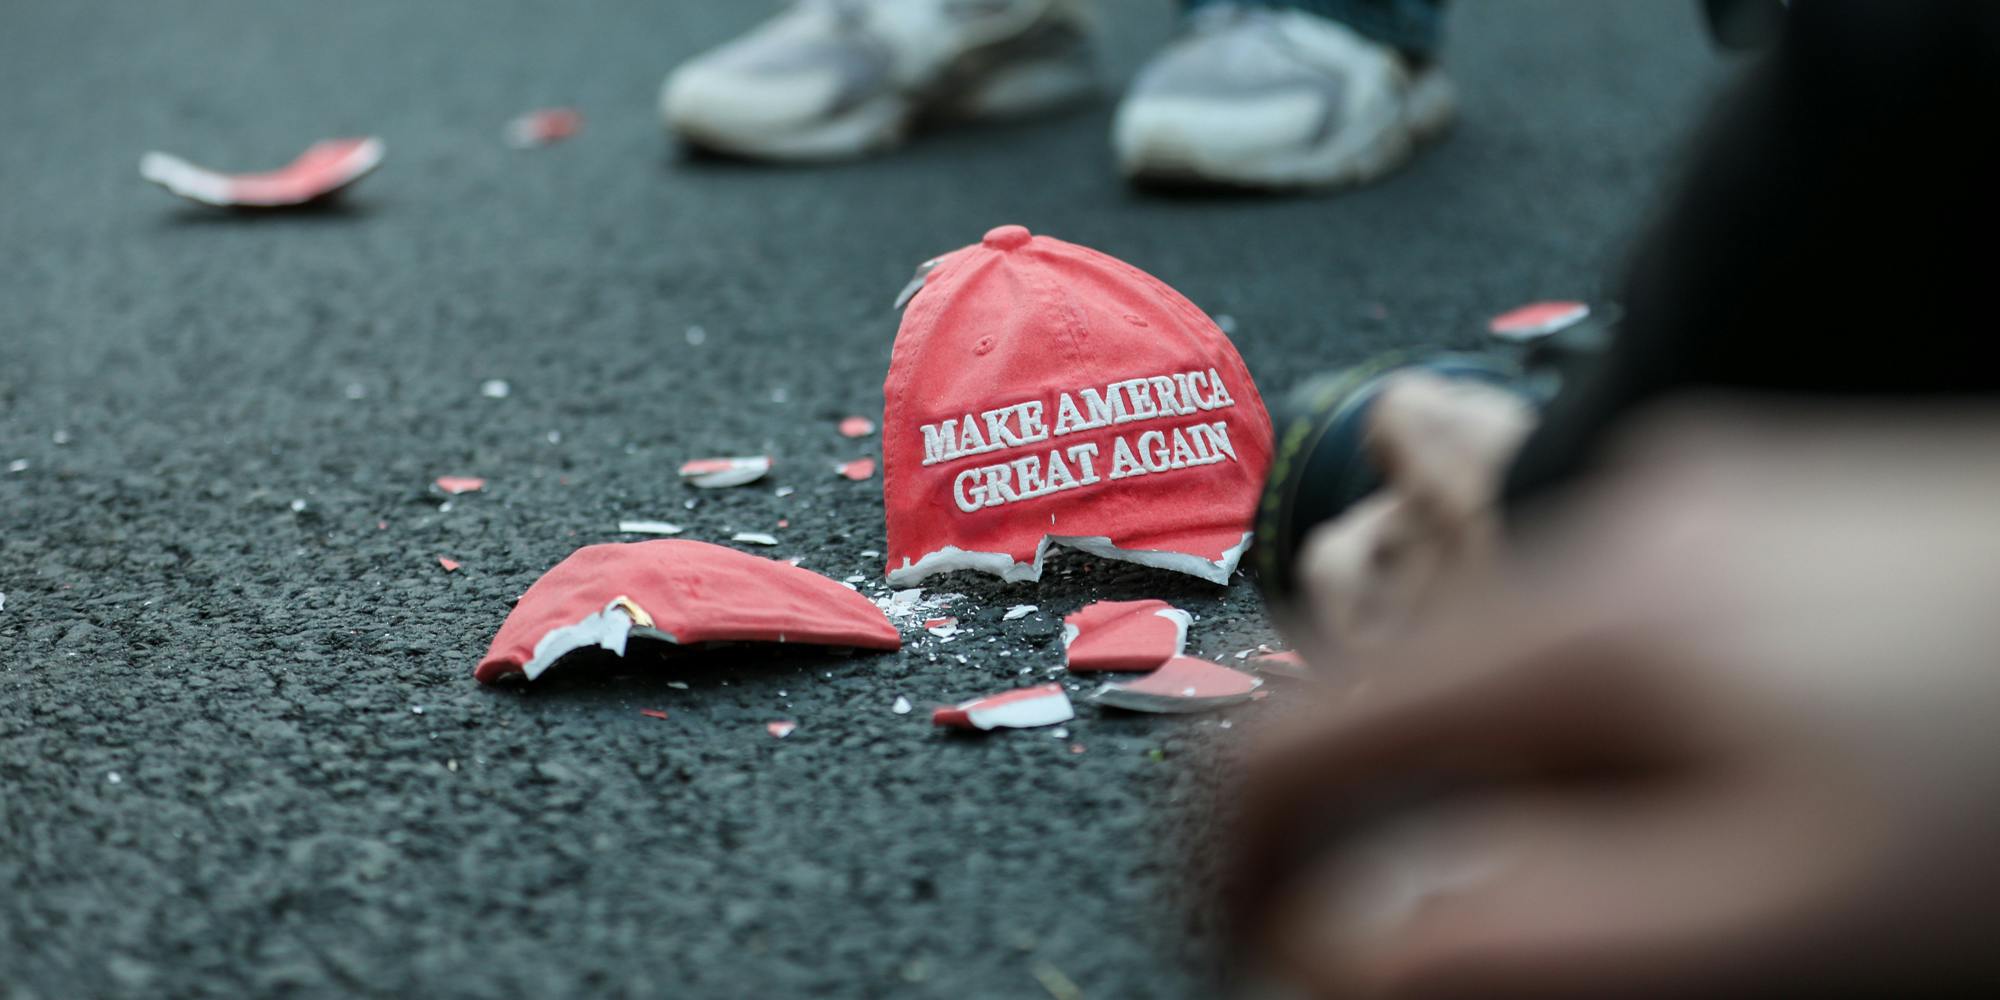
(988,85)
(1425,114)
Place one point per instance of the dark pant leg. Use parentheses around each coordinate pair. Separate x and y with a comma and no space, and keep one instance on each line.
(1833,235)
(1414,26)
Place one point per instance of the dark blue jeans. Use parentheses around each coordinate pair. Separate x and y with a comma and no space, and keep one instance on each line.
(1411,25)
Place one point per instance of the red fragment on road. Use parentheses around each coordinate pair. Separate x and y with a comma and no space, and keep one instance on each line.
(1537,319)
(1184,684)
(1124,635)
(780,729)
(859,470)
(540,128)
(677,591)
(324,170)
(856,427)
(1024,708)
(460,484)
(653,713)
(719,473)
(450,565)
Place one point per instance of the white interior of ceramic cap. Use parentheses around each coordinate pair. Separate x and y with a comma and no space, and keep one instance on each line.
(1023,713)
(606,629)
(952,559)
(184,178)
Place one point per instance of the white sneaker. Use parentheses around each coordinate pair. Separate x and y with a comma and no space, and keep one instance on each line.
(829,79)
(1258,97)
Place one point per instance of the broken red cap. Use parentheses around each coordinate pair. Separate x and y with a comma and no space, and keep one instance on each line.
(1043,393)
(683,592)
(1124,635)
(325,169)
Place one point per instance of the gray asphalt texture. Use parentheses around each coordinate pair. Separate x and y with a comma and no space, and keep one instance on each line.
(213,776)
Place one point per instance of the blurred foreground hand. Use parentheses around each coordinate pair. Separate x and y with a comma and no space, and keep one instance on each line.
(1726,721)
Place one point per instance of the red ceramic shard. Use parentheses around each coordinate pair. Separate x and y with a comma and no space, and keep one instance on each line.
(540,128)
(653,713)
(325,169)
(1124,635)
(682,592)
(460,484)
(1184,684)
(1024,708)
(856,427)
(1537,319)
(718,473)
(859,470)
(450,565)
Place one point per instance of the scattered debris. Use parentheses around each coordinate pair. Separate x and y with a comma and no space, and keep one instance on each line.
(754,538)
(1022,708)
(1538,319)
(1019,611)
(719,473)
(324,170)
(696,336)
(784,491)
(781,728)
(1183,684)
(450,565)
(683,592)
(856,427)
(1124,635)
(3,601)
(859,470)
(18,465)
(943,628)
(678,685)
(648,528)
(298,506)
(495,388)
(543,127)
(416,709)
(902,706)
(455,485)
(653,713)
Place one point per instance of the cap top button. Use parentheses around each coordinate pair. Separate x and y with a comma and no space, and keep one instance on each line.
(1006,237)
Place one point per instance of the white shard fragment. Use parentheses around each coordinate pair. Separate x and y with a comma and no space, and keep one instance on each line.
(648,528)
(495,388)
(902,706)
(1019,611)
(18,465)
(720,473)
(753,538)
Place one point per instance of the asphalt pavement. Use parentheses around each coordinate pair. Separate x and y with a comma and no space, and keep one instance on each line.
(241,750)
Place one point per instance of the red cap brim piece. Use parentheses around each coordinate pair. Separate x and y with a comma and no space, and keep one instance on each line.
(1184,684)
(325,169)
(679,591)
(1124,635)
(1026,708)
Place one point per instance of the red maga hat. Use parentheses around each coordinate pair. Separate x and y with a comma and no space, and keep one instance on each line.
(1044,393)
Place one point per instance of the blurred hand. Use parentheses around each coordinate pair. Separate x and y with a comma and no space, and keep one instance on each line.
(1732,722)
(1443,446)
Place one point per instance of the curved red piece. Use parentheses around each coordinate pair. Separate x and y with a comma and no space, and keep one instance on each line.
(685,592)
